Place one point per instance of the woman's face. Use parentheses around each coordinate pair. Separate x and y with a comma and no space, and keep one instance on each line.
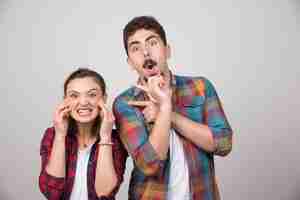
(84,95)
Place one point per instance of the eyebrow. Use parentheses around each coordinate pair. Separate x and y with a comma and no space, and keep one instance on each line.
(91,90)
(147,39)
(150,37)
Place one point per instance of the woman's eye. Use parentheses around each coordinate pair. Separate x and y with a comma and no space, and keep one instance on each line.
(92,94)
(73,96)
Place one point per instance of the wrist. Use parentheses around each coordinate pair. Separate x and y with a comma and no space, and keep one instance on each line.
(105,139)
(173,117)
(165,107)
(105,143)
(60,137)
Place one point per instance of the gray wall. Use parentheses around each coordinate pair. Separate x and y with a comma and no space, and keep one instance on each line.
(248,49)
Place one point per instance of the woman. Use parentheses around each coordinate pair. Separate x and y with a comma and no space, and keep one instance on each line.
(82,156)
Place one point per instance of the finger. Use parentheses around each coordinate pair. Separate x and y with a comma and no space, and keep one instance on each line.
(59,109)
(111,116)
(142,87)
(103,108)
(152,98)
(67,103)
(139,103)
(101,104)
(65,113)
(156,81)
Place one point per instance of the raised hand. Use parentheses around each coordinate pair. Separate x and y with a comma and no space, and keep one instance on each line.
(107,123)
(158,89)
(60,118)
(150,109)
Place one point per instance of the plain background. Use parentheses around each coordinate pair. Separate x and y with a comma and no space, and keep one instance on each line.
(248,49)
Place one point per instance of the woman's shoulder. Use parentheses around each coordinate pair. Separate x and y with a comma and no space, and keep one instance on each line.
(49,132)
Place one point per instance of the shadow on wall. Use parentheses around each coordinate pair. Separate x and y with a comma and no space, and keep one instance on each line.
(4,6)
(297,195)
(296,3)
(4,195)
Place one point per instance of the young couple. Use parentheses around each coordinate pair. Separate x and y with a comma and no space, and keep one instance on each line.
(171,126)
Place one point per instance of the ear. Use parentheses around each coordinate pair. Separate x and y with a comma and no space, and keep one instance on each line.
(130,63)
(168,51)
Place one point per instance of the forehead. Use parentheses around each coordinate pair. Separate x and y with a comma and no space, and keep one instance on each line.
(83,84)
(141,35)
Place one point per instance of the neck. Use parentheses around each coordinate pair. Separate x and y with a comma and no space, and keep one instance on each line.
(85,136)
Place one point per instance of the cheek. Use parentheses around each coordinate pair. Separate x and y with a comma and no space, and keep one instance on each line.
(137,60)
(162,56)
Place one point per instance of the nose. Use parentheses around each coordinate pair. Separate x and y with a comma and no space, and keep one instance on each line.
(146,51)
(83,100)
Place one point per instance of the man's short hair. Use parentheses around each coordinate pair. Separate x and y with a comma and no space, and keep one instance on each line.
(143,22)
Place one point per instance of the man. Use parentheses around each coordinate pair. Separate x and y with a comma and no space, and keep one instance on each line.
(172,126)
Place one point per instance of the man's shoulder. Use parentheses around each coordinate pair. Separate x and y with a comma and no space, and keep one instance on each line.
(183,80)
(124,97)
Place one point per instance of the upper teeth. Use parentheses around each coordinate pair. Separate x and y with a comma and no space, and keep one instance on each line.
(84,110)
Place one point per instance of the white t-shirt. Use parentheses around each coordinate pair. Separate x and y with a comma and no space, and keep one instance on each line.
(79,191)
(178,187)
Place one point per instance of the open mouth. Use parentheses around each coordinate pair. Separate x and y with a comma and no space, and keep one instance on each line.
(149,64)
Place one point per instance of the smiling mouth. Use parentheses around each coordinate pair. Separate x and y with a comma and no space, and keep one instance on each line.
(84,111)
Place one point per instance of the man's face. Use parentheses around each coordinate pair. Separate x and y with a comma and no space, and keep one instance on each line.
(147,53)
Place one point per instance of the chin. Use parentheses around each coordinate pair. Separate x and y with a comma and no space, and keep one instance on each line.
(84,119)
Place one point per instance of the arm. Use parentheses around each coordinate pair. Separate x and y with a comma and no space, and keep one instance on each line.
(56,165)
(134,136)
(199,134)
(51,186)
(51,180)
(147,150)
(215,135)
(119,163)
(119,159)
(106,176)
(159,136)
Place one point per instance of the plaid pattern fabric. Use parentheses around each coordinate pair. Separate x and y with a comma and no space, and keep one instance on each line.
(195,98)
(55,188)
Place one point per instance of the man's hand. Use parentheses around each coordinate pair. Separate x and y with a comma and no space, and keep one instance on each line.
(150,109)
(158,89)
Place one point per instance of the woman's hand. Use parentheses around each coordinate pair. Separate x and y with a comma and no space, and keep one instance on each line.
(107,123)
(60,118)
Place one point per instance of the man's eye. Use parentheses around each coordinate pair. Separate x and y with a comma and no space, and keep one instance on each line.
(134,48)
(153,42)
